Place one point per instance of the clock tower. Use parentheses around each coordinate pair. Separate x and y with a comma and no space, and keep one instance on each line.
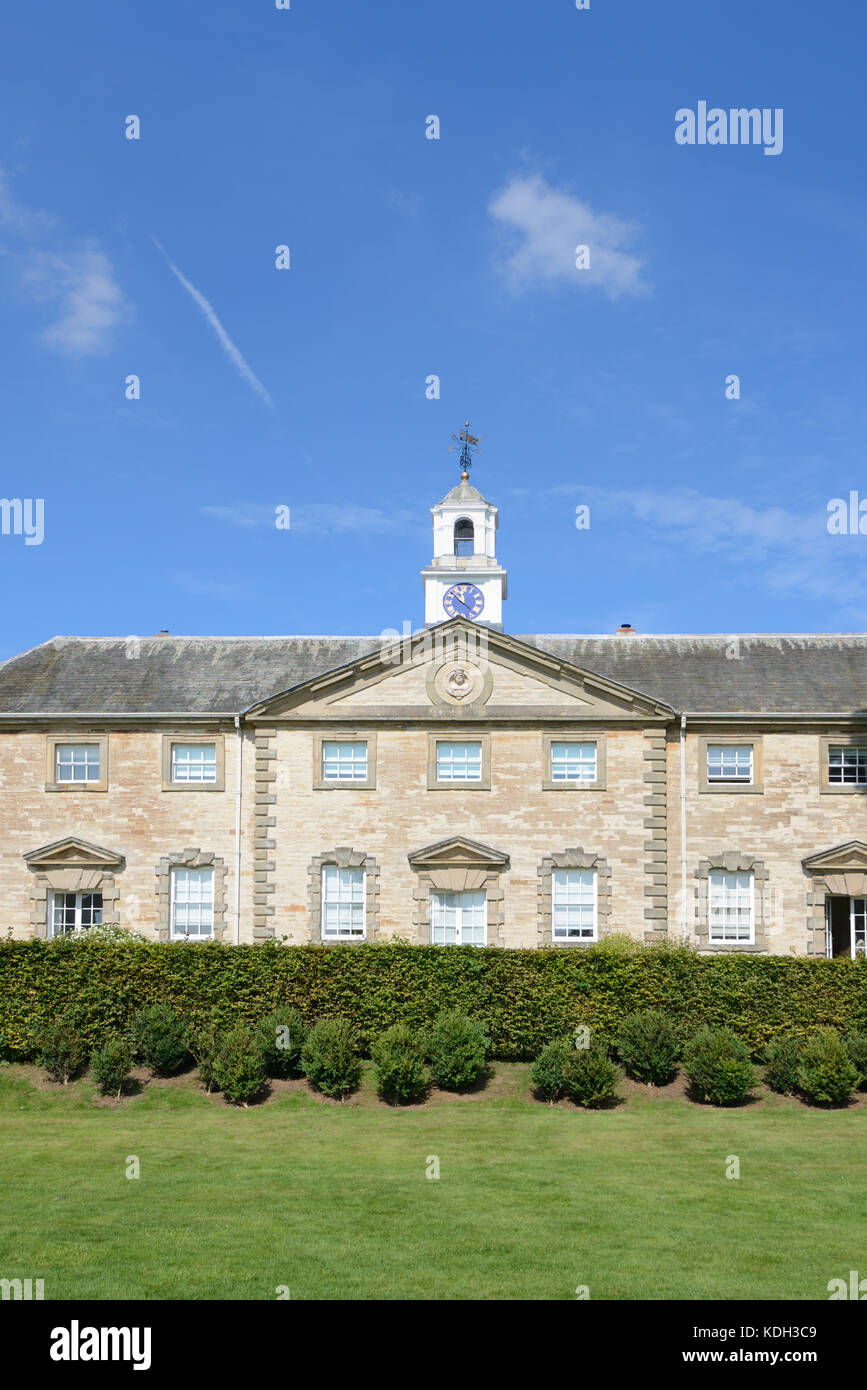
(464,578)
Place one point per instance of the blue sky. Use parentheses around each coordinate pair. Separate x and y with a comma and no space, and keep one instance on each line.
(412,257)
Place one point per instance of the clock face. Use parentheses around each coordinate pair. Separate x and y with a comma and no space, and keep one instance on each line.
(463,601)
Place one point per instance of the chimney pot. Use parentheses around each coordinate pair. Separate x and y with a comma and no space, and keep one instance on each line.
(625,630)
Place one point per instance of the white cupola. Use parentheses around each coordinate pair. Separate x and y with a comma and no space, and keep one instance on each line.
(464,579)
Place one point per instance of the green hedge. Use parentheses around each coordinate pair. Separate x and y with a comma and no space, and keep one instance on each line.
(524,998)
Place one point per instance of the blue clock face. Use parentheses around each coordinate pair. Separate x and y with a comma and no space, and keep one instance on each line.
(463,601)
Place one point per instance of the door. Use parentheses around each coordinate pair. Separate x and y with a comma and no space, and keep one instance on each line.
(858,926)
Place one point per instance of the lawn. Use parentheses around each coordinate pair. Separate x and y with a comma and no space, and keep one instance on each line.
(333,1200)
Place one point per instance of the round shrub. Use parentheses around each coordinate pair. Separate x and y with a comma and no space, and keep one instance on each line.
(162,1038)
(827,1075)
(591,1077)
(856,1046)
(649,1046)
(238,1066)
(111,1065)
(330,1057)
(457,1047)
(62,1051)
(281,1037)
(550,1069)
(401,1075)
(718,1066)
(782,1058)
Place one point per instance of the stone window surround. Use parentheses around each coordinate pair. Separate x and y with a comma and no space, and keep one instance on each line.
(826,741)
(344,858)
(847,878)
(190,859)
(598,737)
(484,783)
(73,878)
(460,878)
(572,859)
(740,741)
(731,862)
(51,742)
(219,743)
(320,783)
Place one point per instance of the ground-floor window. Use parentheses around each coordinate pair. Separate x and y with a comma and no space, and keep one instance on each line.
(731,907)
(574,914)
(458,919)
(73,912)
(342,903)
(192,902)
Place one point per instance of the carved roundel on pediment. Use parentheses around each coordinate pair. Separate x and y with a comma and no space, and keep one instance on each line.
(460,683)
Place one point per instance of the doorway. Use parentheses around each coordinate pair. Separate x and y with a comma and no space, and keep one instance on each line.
(845,926)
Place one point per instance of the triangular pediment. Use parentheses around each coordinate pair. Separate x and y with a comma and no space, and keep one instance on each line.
(458,851)
(840,859)
(73,853)
(459,670)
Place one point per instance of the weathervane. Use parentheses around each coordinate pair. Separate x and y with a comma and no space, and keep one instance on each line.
(469,445)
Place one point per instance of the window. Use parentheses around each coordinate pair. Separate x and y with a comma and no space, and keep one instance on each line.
(192,902)
(730,762)
(344,762)
(342,903)
(847,764)
(74,912)
(76,762)
(731,907)
(458,919)
(573,762)
(574,905)
(465,542)
(459,762)
(194,762)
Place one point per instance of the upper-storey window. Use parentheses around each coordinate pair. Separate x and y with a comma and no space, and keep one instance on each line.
(573,762)
(76,762)
(730,762)
(194,762)
(344,762)
(459,762)
(465,539)
(847,764)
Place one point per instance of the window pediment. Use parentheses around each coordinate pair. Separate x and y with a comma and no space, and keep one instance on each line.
(846,858)
(458,852)
(73,853)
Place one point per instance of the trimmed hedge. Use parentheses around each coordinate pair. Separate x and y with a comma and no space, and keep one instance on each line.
(523,997)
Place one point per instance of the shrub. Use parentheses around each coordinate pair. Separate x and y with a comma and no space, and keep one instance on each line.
(204,1042)
(718,1066)
(112,1064)
(457,1047)
(401,1074)
(827,1075)
(550,1069)
(649,1046)
(238,1066)
(782,1058)
(330,1057)
(281,1037)
(62,1050)
(856,1046)
(162,1038)
(591,1076)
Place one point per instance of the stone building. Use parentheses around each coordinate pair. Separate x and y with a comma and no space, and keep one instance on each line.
(458,784)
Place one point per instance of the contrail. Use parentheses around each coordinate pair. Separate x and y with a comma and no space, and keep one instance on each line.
(228,346)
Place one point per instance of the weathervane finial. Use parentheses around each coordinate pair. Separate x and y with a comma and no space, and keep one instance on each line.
(469,445)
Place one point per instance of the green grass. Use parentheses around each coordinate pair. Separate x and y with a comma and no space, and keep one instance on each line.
(333,1200)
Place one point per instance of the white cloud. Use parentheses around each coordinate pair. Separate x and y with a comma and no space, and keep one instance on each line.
(89,301)
(549,226)
(233,354)
(324,518)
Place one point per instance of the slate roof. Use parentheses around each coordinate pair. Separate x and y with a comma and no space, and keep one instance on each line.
(774,674)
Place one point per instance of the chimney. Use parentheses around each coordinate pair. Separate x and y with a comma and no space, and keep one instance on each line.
(625,630)
(163,632)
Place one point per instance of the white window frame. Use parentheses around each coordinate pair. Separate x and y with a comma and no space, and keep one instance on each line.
(358,769)
(77,929)
(202,874)
(465,744)
(201,763)
(859,750)
(582,764)
(714,779)
(565,934)
(334,873)
(714,875)
(436,895)
(88,765)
